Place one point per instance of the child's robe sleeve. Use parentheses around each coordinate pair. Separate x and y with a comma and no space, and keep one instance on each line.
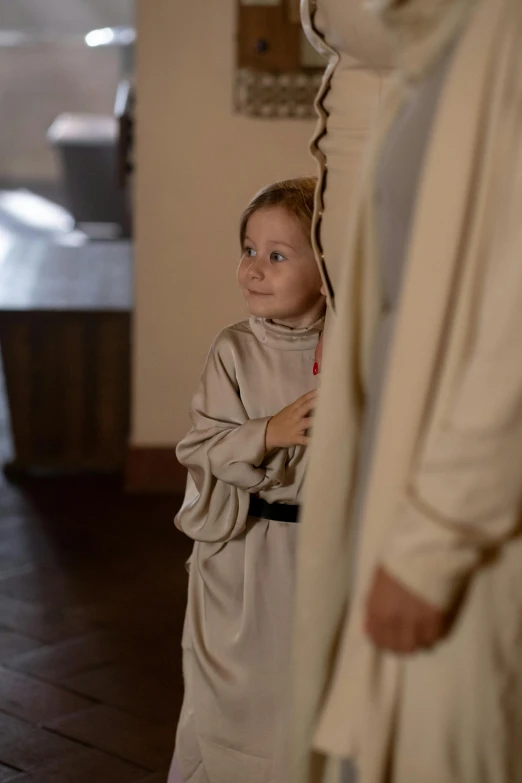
(224,453)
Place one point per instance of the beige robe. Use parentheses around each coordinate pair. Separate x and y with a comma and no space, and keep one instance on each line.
(359,63)
(236,641)
(444,501)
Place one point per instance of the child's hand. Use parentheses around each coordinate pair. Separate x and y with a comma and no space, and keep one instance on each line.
(288,427)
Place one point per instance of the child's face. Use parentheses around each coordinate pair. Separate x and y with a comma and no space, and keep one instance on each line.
(278,274)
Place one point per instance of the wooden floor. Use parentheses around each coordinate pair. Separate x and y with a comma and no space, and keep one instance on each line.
(92,594)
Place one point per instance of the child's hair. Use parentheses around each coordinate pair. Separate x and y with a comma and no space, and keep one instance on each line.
(295,195)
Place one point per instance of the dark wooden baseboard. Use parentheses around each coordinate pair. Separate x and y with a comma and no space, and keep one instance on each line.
(154,469)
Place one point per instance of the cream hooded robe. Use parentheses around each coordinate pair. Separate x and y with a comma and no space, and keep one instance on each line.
(443,506)
(238,628)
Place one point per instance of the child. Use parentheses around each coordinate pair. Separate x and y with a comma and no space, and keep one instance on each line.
(246,458)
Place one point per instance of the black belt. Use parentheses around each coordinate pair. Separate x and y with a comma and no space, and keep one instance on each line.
(276,512)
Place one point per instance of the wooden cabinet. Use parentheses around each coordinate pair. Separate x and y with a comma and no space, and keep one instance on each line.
(65,321)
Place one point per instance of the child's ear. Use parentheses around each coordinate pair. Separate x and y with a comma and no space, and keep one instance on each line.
(323,290)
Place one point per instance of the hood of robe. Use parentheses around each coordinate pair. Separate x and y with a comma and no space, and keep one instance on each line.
(420,29)
(348,28)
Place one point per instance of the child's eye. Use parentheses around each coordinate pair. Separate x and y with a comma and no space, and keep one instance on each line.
(277,257)
(249,252)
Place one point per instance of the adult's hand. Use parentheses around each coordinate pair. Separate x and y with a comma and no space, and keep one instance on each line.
(399,621)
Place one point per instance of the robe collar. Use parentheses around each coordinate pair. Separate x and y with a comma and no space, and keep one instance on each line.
(286,338)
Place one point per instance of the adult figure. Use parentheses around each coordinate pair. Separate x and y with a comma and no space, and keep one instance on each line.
(409,607)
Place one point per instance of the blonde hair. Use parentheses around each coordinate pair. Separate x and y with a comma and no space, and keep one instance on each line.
(294,195)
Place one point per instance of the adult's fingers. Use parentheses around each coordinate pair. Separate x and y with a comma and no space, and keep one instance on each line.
(397,638)
(429,633)
(402,637)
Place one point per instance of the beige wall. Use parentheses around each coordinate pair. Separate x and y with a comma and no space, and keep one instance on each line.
(198,164)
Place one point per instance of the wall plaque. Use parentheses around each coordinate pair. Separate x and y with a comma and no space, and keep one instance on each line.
(278,72)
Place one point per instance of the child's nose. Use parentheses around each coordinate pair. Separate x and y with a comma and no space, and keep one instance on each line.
(256,268)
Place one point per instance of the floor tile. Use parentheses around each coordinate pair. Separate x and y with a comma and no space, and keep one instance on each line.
(144,690)
(53,585)
(140,742)
(35,701)
(8,774)
(86,766)
(58,661)
(13,644)
(28,747)
(47,625)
